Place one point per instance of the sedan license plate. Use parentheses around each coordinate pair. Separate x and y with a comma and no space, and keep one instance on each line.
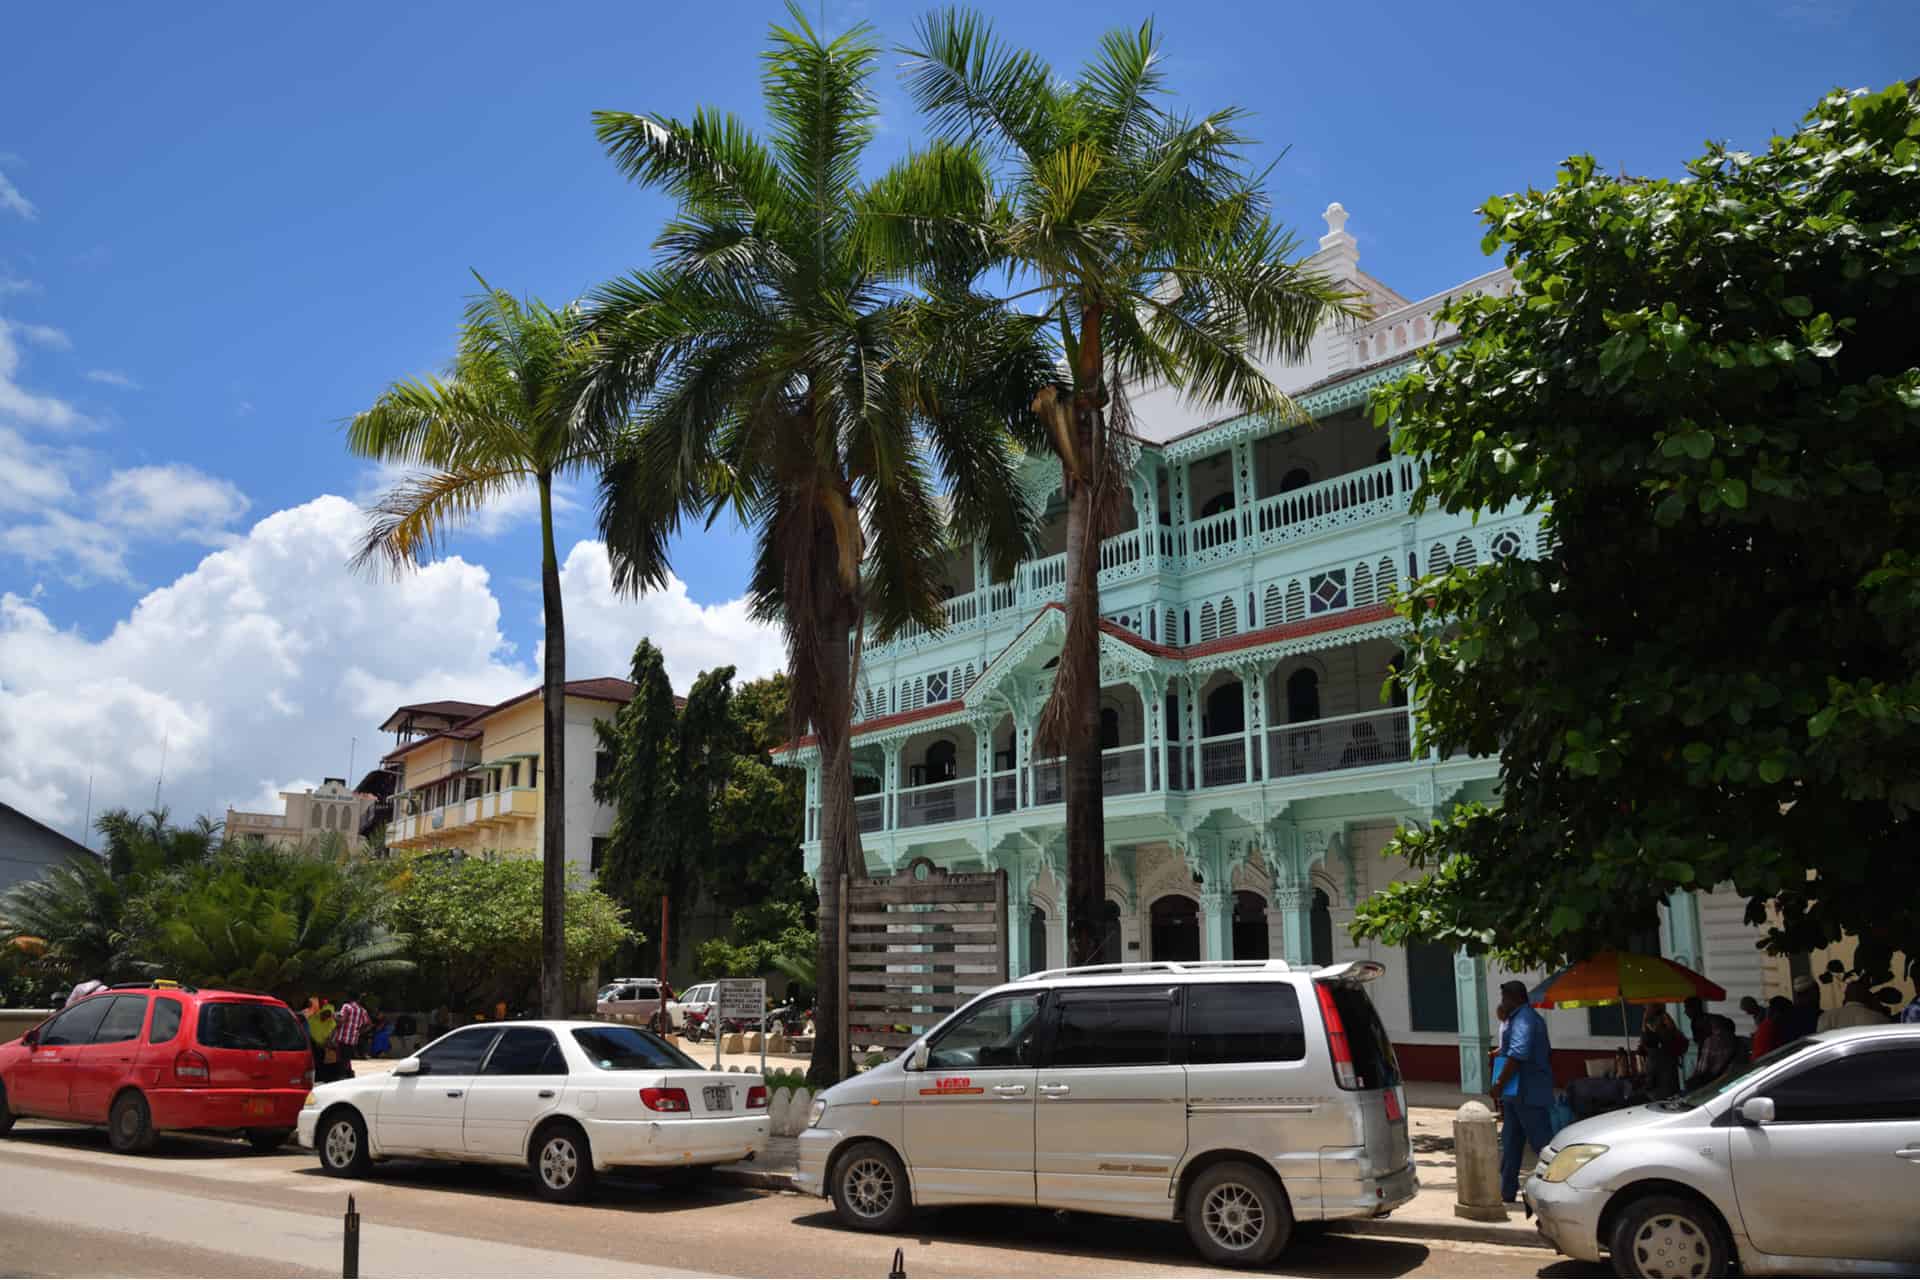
(719,1097)
(259,1106)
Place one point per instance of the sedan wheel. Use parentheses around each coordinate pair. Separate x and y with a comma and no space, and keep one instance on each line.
(1669,1237)
(562,1164)
(342,1141)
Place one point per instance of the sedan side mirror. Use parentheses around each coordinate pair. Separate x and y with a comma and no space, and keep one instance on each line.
(1757,1111)
(410,1067)
(917,1060)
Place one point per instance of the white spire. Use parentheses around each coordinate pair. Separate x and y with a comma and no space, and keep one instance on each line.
(1336,216)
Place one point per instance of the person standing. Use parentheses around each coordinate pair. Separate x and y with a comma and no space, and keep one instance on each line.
(1806,1010)
(1858,1009)
(1715,1054)
(1752,1008)
(1664,1047)
(1526,1115)
(1772,1031)
(349,1032)
(320,1024)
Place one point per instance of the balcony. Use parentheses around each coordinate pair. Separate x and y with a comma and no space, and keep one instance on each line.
(1343,502)
(506,806)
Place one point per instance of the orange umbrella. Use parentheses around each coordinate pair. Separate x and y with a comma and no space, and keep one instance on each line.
(1622,977)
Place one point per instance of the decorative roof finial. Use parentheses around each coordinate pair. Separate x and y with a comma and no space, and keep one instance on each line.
(1337,241)
(1336,216)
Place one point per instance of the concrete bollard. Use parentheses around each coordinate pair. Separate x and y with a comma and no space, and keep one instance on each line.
(734,1042)
(777,1043)
(753,1042)
(778,1104)
(1476,1160)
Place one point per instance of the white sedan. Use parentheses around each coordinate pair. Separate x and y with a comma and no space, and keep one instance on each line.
(568,1099)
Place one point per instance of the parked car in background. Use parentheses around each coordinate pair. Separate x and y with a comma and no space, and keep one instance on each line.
(144,1058)
(1805,1162)
(1235,1096)
(630,997)
(567,1099)
(697,999)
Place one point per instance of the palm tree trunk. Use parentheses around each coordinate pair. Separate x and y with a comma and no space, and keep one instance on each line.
(1079,671)
(554,1001)
(839,847)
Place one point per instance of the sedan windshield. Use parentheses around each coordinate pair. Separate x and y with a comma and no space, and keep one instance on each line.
(631,1049)
(1715,1088)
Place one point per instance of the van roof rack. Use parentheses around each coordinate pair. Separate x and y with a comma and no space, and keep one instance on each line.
(153,984)
(1165,966)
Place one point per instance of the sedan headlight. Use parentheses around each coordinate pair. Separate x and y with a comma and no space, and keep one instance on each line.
(819,1110)
(1571,1160)
(308,1102)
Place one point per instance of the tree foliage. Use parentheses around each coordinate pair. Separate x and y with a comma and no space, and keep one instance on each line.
(476,923)
(699,810)
(265,918)
(1711,385)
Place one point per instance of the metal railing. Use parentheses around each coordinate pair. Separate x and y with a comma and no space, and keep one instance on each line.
(1357,741)
(937,802)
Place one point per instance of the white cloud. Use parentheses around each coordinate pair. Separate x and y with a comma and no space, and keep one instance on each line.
(12,201)
(16,402)
(47,336)
(112,378)
(602,628)
(81,551)
(10,283)
(35,476)
(171,501)
(259,666)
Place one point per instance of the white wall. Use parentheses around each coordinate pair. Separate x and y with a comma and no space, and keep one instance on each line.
(586,818)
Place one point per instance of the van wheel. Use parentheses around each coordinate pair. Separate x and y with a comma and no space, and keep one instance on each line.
(341,1141)
(130,1124)
(870,1190)
(266,1141)
(1237,1215)
(1669,1236)
(562,1163)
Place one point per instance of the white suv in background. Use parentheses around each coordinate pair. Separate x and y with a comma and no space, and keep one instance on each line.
(1237,1097)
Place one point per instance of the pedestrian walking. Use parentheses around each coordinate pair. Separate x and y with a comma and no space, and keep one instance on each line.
(1526,1111)
(348,1033)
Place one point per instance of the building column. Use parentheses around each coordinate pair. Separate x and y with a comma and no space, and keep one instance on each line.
(982,769)
(1019,922)
(1148,508)
(1476,1020)
(1294,905)
(1241,460)
(1216,923)
(1680,935)
(1022,759)
(890,786)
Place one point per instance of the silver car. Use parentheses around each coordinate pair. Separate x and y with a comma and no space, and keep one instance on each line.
(1807,1162)
(1236,1097)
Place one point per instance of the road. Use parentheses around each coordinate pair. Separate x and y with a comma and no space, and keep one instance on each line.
(208,1207)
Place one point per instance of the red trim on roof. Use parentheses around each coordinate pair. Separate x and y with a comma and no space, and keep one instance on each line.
(1226,644)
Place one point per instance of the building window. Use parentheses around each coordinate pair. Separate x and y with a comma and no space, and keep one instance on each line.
(1321,928)
(1298,478)
(598,856)
(533,772)
(1216,504)
(937,687)
(1327,591)
(1109,728)
(602,765)
(1430,989)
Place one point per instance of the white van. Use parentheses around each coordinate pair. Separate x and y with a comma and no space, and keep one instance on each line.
(1236,1096)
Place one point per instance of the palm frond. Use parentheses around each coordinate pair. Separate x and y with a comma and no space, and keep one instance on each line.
(411,522)
(974,88)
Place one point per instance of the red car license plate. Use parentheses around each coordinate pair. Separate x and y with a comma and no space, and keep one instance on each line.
(259,1106)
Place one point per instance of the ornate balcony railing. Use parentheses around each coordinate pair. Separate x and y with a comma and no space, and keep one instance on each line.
(1340,742)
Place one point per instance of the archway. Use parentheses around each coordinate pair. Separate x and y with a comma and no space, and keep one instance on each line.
(942,762)
(1037,940)
(1321,928)
(1226,710)
(1249,926)
(1112,950)
(1297,478)
(1303,696)
(1176,928)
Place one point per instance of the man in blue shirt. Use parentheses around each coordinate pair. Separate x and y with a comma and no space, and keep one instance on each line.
(1526,1110)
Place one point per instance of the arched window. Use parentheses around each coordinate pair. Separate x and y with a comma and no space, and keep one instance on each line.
(1297,478)
(1303,696)
(1229,617)
(1321,929)
(1216,504)
(1385,581)
(1437,559)
(1209,625)
(1362,585)
(1272,606)
(1226,711)
(1463,554)
(1109,728)
(1249,926)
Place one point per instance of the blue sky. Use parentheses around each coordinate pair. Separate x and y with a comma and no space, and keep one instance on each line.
(225,227)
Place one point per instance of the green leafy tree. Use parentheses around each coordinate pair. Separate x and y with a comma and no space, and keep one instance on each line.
(769,935)
(1712,386)
(1149,256)
(138,844)
(505,417)
(259,917)
(475,923)
(781,373)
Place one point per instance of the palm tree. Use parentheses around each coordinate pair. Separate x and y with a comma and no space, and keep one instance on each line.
(505,416)
(778,373)
(1149,256)
(77,910)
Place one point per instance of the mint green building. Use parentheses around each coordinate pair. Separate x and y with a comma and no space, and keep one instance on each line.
(1257,755)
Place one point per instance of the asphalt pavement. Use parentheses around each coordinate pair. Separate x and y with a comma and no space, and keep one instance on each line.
(205,1206)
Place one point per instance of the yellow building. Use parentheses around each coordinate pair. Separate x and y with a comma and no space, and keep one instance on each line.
(479,785)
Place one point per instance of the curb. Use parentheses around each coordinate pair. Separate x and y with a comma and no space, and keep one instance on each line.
(1453,1232)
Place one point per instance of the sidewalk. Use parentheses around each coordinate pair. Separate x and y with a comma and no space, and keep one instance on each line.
(1429,1216)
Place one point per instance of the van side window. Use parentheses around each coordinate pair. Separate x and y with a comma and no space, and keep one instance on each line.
(1234,1022)
(994,1033)
(1112,1029)
(166,1021)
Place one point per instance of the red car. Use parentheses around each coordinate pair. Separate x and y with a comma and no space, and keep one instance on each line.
(145,1057)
